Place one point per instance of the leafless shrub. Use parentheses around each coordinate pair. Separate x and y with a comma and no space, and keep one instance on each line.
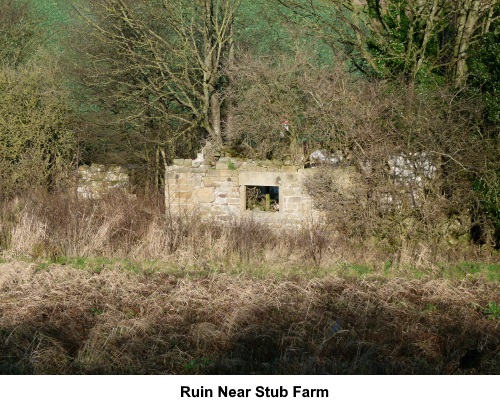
(409,160)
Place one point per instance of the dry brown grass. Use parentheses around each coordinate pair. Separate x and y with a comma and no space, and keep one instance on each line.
(63,320)
(208,298)
(58,226)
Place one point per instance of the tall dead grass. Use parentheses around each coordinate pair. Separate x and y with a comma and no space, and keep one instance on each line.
(55,226)
(61,320)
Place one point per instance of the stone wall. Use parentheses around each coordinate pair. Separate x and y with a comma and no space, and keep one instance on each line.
(96,180)
(218,191)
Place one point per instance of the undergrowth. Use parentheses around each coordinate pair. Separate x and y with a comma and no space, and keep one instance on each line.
(119,286)
(57,227)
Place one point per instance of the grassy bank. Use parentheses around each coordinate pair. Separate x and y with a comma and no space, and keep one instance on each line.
(105,316)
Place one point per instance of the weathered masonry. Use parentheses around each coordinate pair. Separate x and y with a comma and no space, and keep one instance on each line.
(96,180)
(232,188)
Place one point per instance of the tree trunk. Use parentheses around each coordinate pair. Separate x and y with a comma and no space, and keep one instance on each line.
(229,127)
(166,153)
(215,107)
(469,16)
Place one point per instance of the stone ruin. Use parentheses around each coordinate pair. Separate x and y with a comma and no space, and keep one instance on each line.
(234,188)
(96,180)
(412,169)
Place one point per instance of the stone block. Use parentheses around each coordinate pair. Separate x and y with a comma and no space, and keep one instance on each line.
(210,181)
(183,177)
(196,180)
(249,166)
(204,195)
(178,162)
(228,179)
(256,178)
(212,173)
(224,188)
(171,175)
(198,170)
(291,207)
(180,187)
(290,192)
(183,195)
(227,173)
(288,169)
(184,170)
(221,165)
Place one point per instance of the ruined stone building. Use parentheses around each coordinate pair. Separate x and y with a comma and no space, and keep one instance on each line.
(228,189)
(233,188)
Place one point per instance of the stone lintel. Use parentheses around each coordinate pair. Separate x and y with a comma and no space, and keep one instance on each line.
(296,199)
(260,178)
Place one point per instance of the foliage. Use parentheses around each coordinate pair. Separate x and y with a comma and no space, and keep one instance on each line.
(488,209)
(36,147)
(418,41)
(19,33)
(484,70)
(493,310)
(263,29)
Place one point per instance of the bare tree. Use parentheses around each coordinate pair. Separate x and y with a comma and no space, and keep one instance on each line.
(165,58)
(288,103)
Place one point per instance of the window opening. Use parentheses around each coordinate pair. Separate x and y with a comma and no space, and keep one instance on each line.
(263,198)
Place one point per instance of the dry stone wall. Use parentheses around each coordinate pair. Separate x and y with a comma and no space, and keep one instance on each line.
(96,180)
(219,191)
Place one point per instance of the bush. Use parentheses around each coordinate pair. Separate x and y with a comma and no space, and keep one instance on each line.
(36,146)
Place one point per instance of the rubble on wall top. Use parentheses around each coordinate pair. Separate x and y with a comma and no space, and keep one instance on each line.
(232,163)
